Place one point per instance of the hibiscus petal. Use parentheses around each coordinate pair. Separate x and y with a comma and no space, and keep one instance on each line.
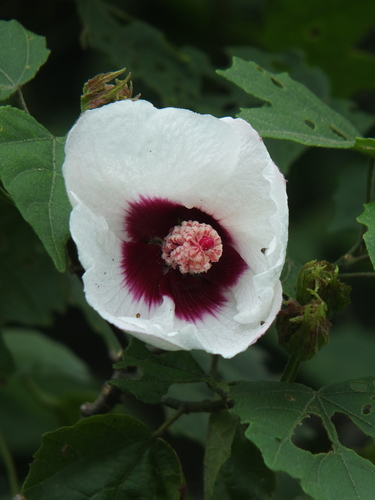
(124,153)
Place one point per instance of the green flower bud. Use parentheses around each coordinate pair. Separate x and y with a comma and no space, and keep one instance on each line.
(321,279)
(97,92)
(303,329)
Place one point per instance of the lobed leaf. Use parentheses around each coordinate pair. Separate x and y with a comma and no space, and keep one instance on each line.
(157,371)
(21,55)
(368,219)
(104,457)
(30,169)
(275,410)
(291,111)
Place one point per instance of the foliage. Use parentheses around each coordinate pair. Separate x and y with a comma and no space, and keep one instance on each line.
(175,425)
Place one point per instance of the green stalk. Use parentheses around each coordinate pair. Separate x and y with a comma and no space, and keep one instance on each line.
(291,369)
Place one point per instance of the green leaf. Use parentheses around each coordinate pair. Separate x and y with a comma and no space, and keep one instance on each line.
(368,219)
(244,475)
(275,411)
(31,289)
(157,371)
(44,391)
(21,55)
(365,146)
(221,430)
(291,111)
(30,168)
(104,457)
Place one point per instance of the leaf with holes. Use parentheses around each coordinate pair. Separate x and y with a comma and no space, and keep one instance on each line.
(158,371)
(104,457)
(21,55)
(291,111)
(275,411)
(368,219)
(30,168)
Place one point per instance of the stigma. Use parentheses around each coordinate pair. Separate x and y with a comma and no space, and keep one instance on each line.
(192,247)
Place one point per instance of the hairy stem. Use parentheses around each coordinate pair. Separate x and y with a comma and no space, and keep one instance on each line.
(291,369)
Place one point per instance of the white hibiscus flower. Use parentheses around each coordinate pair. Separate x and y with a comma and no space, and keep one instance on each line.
(180,221)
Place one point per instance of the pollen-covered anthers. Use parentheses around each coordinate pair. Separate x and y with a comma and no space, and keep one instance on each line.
(192,247)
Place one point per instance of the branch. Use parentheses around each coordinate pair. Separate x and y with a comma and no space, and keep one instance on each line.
(109,397)
(205,406)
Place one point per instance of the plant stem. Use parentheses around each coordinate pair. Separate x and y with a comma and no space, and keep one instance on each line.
(370,180)
(6,197)
(180,411)
(9,465)
(205,406)
(22,100)
(291,369)
(357,275)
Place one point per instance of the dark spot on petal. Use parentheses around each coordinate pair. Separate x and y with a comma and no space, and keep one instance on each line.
(262,323)
(138,315)
(264,250)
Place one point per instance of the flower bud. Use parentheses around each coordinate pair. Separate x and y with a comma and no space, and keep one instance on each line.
(97,92)
(321,279)
(303,329)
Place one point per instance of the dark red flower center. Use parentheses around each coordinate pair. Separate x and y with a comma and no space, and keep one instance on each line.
(147,274)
